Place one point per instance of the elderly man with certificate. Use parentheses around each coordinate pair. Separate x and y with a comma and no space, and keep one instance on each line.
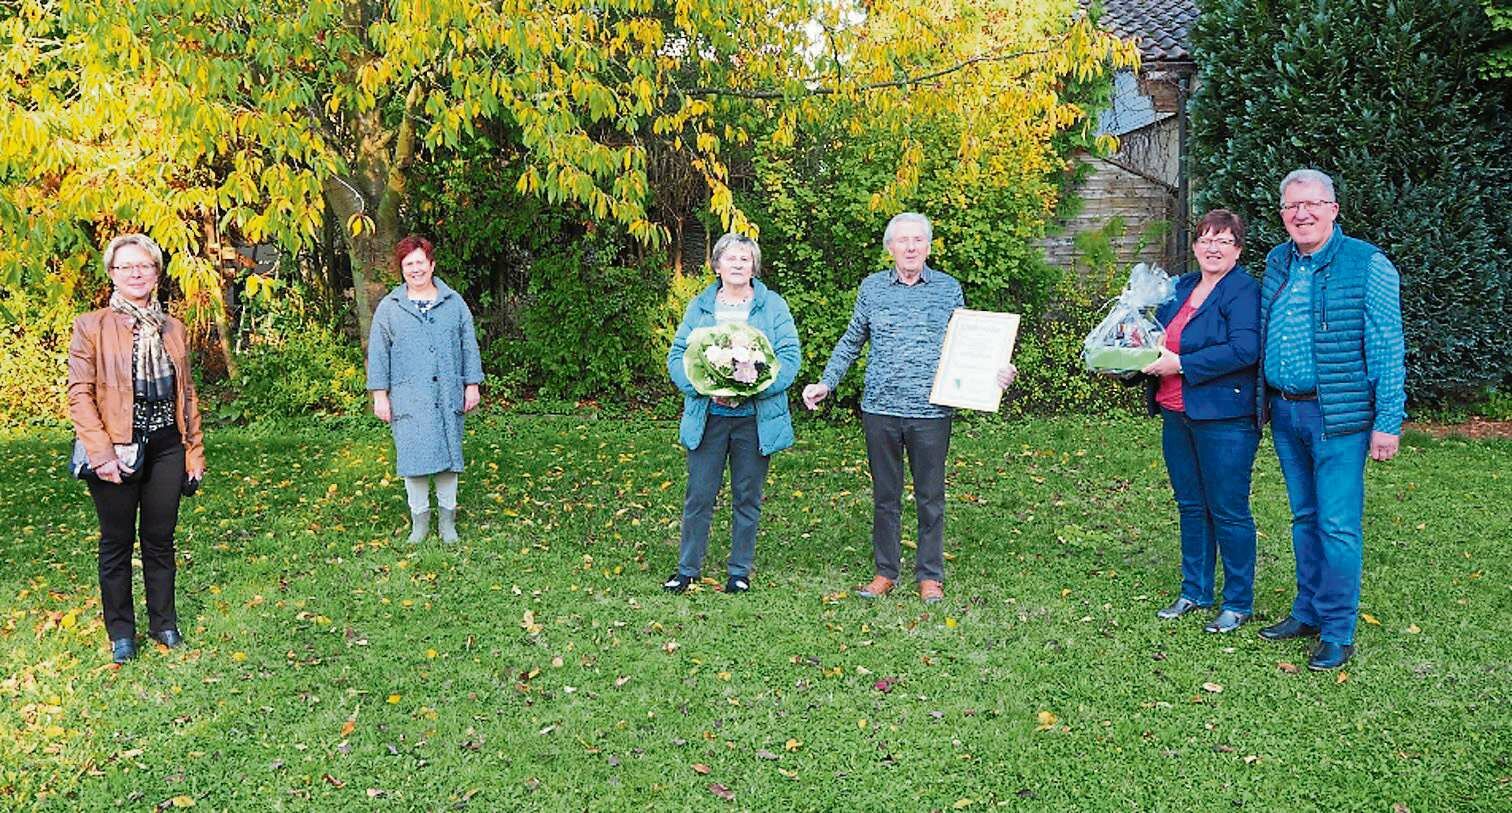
(904,312)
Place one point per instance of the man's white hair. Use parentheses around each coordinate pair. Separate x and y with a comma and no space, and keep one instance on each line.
(1309,176)
(907,217)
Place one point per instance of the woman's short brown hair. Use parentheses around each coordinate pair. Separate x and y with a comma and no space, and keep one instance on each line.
(1221,220)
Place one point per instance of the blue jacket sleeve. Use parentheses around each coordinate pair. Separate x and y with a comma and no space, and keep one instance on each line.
(472,360)
(784,338)
(1385,346)
(848,349)
(675,355)
(1240,311)
(380,344)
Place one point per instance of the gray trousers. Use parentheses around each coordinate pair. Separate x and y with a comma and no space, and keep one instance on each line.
(733,439)
(928,443)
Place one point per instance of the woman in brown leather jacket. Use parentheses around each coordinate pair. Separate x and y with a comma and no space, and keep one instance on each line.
(129,383)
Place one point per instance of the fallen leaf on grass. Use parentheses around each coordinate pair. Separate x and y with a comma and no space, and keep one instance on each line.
(961,804)
(348,727)
(885,685)
(393,699)
(721,791)
(670,647)
(1288,668)
(177,801)
(1251,759)
(1342,678)
(1214,688)
(792,745)
(334,782)
(1413,629)
(1400,808)
(700,768)
(1046,720)
(762,753)
(375,793)
(789,774)
(620,681)
(1370,619)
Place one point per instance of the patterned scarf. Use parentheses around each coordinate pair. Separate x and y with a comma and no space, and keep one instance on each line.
(154,372)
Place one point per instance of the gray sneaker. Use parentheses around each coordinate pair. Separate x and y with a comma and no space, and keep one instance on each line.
(1178,608)
(1227,621)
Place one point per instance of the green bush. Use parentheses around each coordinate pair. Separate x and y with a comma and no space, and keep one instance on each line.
(1389,99)
(33,377)
(294,373)
(590,328)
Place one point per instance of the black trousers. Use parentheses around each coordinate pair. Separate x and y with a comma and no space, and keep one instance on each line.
(154,497)
(927,441)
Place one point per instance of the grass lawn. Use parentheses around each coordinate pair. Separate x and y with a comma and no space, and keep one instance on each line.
(537,665)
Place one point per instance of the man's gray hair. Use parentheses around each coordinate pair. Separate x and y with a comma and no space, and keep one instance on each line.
(141,241)
(731,240)
(1309,176)
(907,217)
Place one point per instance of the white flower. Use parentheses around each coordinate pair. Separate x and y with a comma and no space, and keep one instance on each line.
(717,356)
(740,353)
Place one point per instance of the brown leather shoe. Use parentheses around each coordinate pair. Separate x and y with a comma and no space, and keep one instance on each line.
(879,587)
(931,591)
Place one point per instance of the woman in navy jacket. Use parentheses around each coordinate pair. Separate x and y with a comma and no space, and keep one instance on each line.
(1203,385)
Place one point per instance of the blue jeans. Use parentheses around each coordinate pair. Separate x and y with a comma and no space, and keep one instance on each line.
(1325,482)
(731,438)
(1210,464)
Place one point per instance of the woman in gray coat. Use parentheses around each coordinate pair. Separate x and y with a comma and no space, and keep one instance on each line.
(424,370)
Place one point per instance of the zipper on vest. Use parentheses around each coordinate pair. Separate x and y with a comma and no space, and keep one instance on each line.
(1323,300)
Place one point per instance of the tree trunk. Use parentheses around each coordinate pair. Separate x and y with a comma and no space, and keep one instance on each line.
(213,249)
(374,193)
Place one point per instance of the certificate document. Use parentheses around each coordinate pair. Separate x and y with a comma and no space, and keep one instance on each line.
(977,345)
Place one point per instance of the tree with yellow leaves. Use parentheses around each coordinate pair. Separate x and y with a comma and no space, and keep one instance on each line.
(187,117)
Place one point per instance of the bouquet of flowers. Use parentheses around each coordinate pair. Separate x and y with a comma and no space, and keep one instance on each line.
(732,360)
(1129,337)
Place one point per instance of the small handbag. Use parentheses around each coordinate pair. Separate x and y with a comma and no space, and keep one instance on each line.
(130,455)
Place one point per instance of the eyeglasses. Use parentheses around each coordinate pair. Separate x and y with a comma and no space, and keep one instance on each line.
(1297,206)
(142,267)
(1216,242)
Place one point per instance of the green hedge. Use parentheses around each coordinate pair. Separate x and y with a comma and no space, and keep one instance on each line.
(1389,99)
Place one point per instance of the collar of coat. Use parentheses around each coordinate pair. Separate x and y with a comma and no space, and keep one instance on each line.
(705,300)
(1325,253)
(400,295)
(1188,281)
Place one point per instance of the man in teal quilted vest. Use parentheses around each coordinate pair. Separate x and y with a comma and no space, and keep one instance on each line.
(1332,362)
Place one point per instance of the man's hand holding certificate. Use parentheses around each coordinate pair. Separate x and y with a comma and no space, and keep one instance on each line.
(975,364)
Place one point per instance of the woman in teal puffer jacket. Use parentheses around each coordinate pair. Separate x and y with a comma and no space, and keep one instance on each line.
(744,433)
